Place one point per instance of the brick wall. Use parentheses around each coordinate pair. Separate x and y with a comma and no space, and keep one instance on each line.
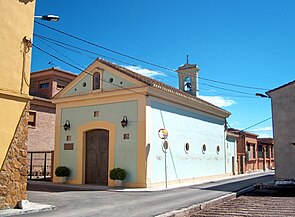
(13,174)
(41,137)
(41,92)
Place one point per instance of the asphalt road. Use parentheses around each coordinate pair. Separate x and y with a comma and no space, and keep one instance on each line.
(118,204)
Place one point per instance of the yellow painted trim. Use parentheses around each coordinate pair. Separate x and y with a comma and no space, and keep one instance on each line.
(100,100)
(93,67)
(13,95)
(80,179)
(57,144)
(134,185)
(141,156)
(94,95)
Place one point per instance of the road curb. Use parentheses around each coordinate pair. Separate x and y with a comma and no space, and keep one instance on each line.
(188,211)
(34,208)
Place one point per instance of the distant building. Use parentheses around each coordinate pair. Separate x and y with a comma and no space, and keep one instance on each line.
(111,117)
(253,154)
(232,157)
(265,148)
(283,119)
(44,85)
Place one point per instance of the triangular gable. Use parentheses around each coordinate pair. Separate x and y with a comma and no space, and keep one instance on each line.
(111,79)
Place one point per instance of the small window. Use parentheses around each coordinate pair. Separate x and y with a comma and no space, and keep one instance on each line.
(204,148)
(96,81)
(186,147)
(218,149)
(96,114)
(69,138)
(126,136)
(187,84)
(32,119)
(60,86)
(84,84)
(43,85)
(254,151)
(165,145)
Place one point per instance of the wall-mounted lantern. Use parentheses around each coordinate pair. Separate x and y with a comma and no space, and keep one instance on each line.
(67,125)
(124,122)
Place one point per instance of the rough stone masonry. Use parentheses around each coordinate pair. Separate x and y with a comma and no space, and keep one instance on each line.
(13,174)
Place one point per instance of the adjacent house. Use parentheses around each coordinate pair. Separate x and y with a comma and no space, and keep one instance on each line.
(44,85)
(232,157)
(253,153)
(283,120)
(17,19)
(111,117)
(265,150)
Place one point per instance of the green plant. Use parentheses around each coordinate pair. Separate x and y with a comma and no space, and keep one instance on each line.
(117,174)
(62,171)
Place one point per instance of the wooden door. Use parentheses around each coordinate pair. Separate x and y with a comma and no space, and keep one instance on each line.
(97,157)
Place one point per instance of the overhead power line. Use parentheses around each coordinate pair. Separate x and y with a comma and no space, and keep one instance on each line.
(255,124)
(140,60)
(43,39)
(78,50)
(82,70)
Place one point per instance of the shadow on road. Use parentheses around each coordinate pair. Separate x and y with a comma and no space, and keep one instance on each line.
(51,187)
(235,186)
(273,192)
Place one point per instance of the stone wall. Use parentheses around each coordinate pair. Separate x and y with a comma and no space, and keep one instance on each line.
(13,174)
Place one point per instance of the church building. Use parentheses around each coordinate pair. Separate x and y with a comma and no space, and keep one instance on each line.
(110,117)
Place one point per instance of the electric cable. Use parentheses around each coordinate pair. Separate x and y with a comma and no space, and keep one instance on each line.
(58,43)
(255,124)
(140,60)
(83,70)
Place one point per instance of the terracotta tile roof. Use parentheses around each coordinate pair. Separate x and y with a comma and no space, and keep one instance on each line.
(266,140)
(157,84)
(41,99)
(240,132)
(292,82)
(55,69)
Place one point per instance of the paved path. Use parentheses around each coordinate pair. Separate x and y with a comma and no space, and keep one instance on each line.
(140,203)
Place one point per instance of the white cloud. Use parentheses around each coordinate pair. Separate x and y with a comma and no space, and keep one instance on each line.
(264,135)
(145,72)
(262,129)
(218,101)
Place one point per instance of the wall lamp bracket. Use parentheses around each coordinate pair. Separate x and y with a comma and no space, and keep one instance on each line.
(124,122)
(67,125)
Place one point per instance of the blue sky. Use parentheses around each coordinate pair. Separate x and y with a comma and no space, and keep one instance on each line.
(250,43)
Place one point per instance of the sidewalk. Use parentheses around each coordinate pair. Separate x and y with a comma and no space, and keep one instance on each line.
(54,187)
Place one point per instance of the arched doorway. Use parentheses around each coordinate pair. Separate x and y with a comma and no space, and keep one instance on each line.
(97,157)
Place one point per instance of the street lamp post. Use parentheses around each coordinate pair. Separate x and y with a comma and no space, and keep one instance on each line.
(262,95)
(48,17)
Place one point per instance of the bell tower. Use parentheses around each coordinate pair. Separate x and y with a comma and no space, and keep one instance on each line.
(188,78)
